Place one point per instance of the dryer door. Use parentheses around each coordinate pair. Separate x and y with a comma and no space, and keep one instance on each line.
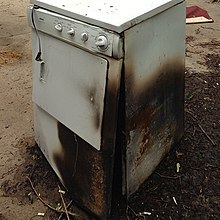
(70,85)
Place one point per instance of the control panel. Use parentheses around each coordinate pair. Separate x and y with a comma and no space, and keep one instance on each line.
(78,33)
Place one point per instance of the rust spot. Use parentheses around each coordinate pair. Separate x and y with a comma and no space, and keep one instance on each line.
(140,120)
(155,110)
(9,57)
(97,183)
(141,123)
(145,140)
(163,92)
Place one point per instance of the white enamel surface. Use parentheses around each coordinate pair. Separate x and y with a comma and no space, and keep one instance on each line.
(46,135)
(71,87)
(75,32)
(116,15)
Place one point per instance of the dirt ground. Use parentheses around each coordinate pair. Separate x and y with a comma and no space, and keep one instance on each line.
(191,193)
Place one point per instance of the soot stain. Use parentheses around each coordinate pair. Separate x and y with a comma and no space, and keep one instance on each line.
(165,92)
(72,162)
(81,169)
(158,103)
(95,105)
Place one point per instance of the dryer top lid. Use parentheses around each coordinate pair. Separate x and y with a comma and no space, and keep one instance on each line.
(115,15)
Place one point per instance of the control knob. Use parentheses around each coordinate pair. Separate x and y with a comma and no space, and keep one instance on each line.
(71,32)
(102,42)
(58,27)
(84,37)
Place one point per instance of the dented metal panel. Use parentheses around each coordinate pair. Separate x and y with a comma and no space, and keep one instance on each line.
(154,92)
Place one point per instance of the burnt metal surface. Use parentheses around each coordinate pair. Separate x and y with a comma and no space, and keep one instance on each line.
(86,172)
(162,97)
(95,105)
(82,170)
(154,92)
(154,122)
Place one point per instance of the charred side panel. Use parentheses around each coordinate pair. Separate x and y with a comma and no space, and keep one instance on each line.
(156,124)
(162,98)
(118,199)
(154,83)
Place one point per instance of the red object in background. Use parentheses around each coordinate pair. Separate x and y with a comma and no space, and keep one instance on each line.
(195,11)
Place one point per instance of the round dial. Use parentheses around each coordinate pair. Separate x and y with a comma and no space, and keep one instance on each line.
(58,27)
(71,32)
(102,42)
(84,37)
